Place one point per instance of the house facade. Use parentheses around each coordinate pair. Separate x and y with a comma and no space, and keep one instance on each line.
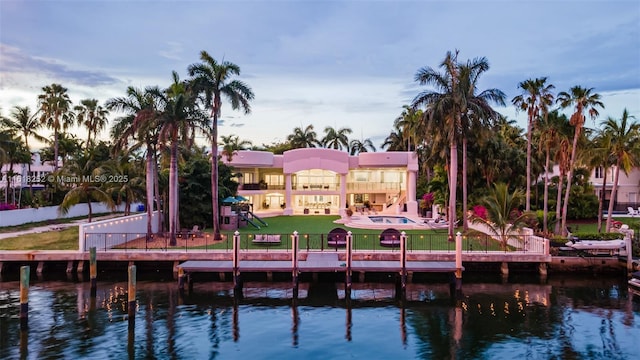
(327,181)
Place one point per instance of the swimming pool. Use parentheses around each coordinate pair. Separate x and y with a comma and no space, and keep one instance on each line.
(391,220)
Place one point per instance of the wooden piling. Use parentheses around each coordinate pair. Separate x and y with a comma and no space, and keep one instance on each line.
(132,295)
(348,275)
(294,263)
(458,273)
(93,270)
(25,273)
(181,279)
(237,281)
(403,264)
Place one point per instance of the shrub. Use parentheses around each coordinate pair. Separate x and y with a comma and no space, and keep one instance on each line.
(598,236)
(480,211)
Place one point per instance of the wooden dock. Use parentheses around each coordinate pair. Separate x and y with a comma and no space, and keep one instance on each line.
(317,262)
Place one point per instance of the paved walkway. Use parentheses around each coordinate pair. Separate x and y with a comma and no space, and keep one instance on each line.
(53,227)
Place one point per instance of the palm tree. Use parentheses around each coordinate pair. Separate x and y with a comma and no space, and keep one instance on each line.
(395,140)
(624,150)
(180,115)
(550,131)
(503,217)
(535,99)
(599,156)
(582,100)
(87,188)
(93,117)
(27,124)
(476,111)
(55,107)
(303,138)
(231,144)
(140,123)
(444,106)
(336,139)
(410,121)
(357,146)
(214,80)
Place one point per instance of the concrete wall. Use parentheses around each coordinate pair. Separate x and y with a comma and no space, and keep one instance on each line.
(23,216)
(106,234)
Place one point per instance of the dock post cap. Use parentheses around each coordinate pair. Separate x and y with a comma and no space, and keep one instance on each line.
(403,233)
(236,233)
(295,232)
(349,232)
(458,233)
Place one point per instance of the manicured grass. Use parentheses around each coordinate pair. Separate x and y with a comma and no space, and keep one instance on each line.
(66,239)
(27,226)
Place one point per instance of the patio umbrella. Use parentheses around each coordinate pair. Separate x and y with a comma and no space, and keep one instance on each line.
(229,200)
(241,198)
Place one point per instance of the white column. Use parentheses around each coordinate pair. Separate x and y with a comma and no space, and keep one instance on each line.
(288,210)
(412,204)
(343,195)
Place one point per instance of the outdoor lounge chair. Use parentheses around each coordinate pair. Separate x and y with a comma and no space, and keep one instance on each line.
(337,238)
(632,211)
(390,238)
(266,239)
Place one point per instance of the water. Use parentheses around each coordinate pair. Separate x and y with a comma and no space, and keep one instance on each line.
(391,220)
(563,318)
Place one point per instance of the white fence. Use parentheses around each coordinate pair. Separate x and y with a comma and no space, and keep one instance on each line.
(113,232)
(23,216)
(524,240)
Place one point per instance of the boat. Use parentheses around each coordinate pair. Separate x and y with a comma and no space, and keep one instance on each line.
(634,283)
(597,246)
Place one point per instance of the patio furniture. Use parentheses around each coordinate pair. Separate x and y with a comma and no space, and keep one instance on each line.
(390,238)
(337,238)
(266,239)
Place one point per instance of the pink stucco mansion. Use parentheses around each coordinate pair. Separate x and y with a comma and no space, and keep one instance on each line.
(327,181)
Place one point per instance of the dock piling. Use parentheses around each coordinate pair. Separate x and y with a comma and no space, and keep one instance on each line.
(458,274)
(93,270)
(349,253)
(132,295)
(403,264)
(237,281)
(25,273)
(294,263)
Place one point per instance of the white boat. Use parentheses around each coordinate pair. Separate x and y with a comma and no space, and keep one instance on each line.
(598,246)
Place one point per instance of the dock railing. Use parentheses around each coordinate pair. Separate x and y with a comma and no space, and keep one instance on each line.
(310,242)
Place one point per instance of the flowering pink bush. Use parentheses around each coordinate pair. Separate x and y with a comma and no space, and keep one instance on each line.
(480,211)
(5,206)
(427,200)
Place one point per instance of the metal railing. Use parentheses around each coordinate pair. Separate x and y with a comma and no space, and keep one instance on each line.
(313,242)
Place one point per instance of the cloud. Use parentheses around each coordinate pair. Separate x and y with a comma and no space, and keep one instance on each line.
(173,52)
(14,61)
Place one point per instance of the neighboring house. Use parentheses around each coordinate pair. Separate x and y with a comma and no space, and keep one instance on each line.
(19,177)
(320,181)
(628,193)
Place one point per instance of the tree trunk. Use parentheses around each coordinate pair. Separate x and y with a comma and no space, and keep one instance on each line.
(55,149)
(545,211)
(528,191)
(464,184)
(156,190)
(601,199)
(89,205)
(453,179)
(214,175)
(614,190)
(149,183)
(559,204)
(572,160)
(173,186)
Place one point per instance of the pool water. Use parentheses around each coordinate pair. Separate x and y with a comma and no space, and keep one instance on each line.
(391,220)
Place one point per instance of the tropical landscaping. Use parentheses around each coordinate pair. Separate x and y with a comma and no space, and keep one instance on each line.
(474,162)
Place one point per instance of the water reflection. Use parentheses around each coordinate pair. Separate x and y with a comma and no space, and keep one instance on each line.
(562,318)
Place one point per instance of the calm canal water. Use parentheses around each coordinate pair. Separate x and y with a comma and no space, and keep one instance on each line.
(581,317)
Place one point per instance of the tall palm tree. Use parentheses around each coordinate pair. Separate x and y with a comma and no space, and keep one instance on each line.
(180,115)
(582,99)
(444,104)
(395,140)
(93,117)
(599,156)
(410,121)
(303,138)
(336,139)
(535,99)
(214,80)
(503,217)
(231,144)
(55,107)
(550,129)
(357,146)
(27,124)
(141,124)
(477,112)
(624,149)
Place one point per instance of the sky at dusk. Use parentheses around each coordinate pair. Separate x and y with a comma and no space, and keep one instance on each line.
(327,63)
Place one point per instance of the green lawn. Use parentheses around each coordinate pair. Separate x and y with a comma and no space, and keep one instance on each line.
(66,239)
